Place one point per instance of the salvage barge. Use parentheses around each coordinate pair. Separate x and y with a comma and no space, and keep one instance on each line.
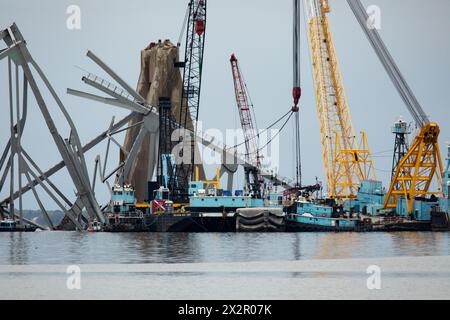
(218,211)
(206,212)
(211,209)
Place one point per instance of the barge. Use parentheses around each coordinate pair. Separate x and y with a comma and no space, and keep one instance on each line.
(210,209)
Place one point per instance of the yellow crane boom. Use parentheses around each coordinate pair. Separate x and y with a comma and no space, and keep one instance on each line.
(422,163)
(346,162)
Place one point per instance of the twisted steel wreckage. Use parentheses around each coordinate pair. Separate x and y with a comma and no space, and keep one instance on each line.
(153,191)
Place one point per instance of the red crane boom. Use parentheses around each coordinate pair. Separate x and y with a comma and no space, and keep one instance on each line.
(253,181)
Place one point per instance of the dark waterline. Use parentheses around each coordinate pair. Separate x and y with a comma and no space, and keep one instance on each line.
(108,248)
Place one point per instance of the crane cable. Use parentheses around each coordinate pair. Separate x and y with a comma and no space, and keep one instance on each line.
(183,27)
(278,133)
(266,129)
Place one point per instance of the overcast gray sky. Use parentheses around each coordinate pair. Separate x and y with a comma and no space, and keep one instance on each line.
(260,33)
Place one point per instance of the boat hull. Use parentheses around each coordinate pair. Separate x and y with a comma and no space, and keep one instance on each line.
(16,229)
(296,223)
(194,223)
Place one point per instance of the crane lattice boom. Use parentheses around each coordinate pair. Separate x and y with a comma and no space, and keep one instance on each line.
(248,127)
(346,163)
(192,81)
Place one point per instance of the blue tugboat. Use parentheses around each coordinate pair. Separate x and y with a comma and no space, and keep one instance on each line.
(317,216)
(306,212)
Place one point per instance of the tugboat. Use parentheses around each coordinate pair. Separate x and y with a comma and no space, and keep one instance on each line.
(123,214)
(10,225)
(314,216)
(308,214)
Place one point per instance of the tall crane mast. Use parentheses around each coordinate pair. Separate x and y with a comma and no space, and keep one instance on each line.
(346,162)
(401,130)
(252,173)
(422,163)
(192,81)
(297,90)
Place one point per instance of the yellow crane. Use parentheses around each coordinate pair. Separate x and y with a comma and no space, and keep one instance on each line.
(422,163)
(346,161)
(417,169)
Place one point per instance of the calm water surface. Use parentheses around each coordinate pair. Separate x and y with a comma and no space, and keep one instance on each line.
(108,248)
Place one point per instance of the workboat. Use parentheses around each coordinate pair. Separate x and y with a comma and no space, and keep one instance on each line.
(311,215)
(123,214)
(95,226)
(10,225)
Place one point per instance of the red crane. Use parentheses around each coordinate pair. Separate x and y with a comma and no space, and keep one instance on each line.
(252,173)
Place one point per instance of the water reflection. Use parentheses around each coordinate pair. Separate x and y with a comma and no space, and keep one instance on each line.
(420,240)
(296,247)
(158,247)
(18,248)
(106,248)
